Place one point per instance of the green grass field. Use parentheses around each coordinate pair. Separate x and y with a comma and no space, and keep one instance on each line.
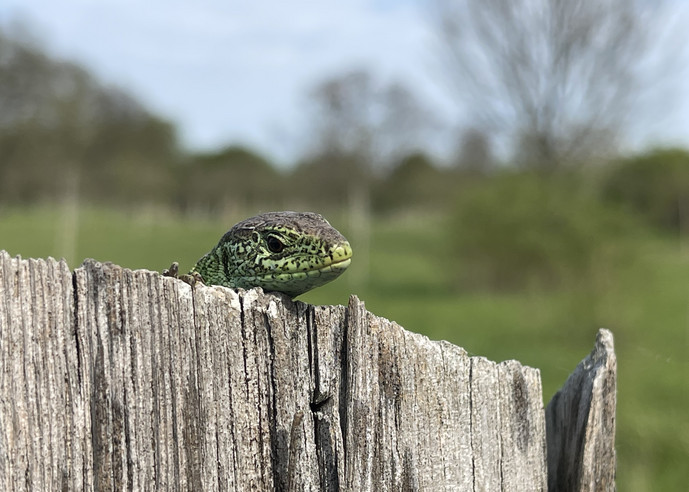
(404,276)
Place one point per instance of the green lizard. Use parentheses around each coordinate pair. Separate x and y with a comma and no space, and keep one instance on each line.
(288,252)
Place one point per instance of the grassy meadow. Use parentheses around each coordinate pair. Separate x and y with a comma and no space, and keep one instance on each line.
(405,274)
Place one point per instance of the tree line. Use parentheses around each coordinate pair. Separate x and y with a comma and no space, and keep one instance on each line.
(63,131)
(64,135)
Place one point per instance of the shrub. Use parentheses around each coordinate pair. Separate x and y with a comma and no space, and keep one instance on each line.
(654,186)
(515,231)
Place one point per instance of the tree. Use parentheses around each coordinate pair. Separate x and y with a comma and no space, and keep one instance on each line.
(415,183)
(559,79)
(66,136)
(355,114)
(475,154)
(230,180)
(360,126)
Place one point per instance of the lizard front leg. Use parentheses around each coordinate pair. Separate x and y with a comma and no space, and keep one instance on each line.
(190,278)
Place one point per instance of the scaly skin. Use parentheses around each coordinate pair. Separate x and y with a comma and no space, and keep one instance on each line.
(288,252)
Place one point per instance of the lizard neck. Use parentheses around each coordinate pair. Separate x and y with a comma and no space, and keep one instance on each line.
(214,268)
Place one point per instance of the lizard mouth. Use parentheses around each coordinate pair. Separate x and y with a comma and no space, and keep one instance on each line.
(338,265)
(340,257)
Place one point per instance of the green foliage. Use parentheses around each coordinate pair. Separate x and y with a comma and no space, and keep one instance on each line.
(231,179)
(130,161)
(654,186)
(328,178)
(415,183)
(519,230)
(65,135)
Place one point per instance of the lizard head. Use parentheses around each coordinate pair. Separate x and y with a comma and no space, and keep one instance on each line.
(289,252)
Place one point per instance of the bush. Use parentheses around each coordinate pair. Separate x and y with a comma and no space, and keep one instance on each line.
(515,231)
(414,184)
(654,186)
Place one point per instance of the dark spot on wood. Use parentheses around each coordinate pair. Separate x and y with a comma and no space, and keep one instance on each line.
(521,418)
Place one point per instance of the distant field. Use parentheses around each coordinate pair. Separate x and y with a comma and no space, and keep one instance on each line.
(646,305)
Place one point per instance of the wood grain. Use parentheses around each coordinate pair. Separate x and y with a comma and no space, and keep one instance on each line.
(115,379)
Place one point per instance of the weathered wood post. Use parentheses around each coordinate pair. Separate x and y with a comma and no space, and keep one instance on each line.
(115,379)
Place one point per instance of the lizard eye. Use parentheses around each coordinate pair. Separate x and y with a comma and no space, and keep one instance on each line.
(275,245)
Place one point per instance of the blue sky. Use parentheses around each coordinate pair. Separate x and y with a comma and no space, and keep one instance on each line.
(230,71)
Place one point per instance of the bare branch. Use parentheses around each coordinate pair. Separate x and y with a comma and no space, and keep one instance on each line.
(554,73)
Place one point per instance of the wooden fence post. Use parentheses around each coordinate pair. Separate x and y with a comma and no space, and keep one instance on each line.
(580,424)
(115,379)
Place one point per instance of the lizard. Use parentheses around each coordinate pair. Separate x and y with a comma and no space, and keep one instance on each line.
(289,252)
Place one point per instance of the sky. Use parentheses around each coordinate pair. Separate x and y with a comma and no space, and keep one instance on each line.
(231,71)
(235,71)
